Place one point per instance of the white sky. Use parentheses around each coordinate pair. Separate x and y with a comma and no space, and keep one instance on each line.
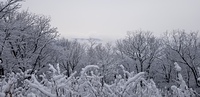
(111,19)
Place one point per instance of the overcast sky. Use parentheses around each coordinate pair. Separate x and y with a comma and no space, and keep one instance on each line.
(111,19)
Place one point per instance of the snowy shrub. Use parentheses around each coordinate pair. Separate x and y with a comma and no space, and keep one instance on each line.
(134,86)
(57,86)
(87,84)
(9,88)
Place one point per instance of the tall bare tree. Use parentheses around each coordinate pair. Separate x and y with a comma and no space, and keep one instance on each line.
(70,54)
(184,48)
(141,47)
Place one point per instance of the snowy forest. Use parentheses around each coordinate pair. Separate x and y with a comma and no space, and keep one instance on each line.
(36,62)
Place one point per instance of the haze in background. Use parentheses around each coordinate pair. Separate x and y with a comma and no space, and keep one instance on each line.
(111,19)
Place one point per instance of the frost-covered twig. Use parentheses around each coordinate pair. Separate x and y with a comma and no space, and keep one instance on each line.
(84,70)
(40,88)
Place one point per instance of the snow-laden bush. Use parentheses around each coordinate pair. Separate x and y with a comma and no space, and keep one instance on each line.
(57,86)
(9,86)
(87,84)
(134,86)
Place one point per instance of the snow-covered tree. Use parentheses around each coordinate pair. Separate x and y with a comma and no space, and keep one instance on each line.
(142,48)
(69,54)
(184,48)
(25,41)
(182,90)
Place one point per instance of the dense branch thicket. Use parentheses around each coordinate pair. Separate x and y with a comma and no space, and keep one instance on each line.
(127,68)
